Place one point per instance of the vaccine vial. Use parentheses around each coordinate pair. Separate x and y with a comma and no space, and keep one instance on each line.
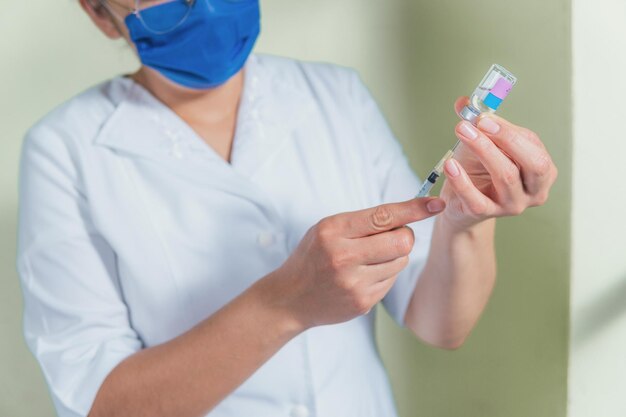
(492,90)
(486,98)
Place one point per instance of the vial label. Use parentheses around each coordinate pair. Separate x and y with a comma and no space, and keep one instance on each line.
(498,93)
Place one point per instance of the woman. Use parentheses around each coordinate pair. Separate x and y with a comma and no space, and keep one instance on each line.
(210,233)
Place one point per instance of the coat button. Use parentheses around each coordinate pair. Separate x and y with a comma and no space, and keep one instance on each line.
(265,239)
(299,410)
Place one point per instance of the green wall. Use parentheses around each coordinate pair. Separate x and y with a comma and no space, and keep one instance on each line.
(515,362)
(417,56)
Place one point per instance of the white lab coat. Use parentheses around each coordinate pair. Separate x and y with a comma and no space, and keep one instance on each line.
(132,230)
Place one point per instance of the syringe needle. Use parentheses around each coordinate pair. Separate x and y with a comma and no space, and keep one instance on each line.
(429,183)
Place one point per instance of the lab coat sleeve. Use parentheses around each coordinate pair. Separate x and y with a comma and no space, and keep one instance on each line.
(75,321)
(397,182)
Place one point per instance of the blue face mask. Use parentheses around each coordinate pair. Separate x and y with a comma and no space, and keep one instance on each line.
(204,45)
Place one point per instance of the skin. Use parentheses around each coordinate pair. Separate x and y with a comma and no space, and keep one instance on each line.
(343,265)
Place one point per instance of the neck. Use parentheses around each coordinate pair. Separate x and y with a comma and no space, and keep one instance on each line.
(208,106)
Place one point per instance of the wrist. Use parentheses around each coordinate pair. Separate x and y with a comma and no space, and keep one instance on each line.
(273,298)
(468,230)
(470,247)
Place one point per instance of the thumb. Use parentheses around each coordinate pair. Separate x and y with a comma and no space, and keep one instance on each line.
(460,103)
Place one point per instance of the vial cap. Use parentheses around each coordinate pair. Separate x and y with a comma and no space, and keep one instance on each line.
(469,114)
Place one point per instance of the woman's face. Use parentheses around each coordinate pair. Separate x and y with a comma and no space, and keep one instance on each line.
(109,15)
(216,62)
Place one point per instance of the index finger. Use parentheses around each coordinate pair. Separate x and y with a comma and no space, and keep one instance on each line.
(504,133)
(500,129)
(360,223)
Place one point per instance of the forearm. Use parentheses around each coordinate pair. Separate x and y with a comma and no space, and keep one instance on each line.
(192,373)
(454,285)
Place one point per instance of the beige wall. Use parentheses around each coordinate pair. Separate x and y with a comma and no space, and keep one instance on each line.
(597,375)
(416,56)
(49,52)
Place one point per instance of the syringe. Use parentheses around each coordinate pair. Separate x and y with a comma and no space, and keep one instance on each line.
(486,98)
(436,172)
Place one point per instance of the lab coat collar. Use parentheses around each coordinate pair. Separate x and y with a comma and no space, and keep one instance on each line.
(142,126)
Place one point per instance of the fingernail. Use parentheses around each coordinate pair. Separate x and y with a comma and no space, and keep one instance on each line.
(488,125)
(436,205)
(451,168)
(468,130)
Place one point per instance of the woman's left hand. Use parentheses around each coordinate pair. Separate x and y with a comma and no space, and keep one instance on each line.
(499,170)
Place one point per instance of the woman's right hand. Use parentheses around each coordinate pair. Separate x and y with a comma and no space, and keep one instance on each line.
(347,262)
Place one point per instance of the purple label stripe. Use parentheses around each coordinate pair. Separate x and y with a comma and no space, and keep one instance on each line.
(502,88)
